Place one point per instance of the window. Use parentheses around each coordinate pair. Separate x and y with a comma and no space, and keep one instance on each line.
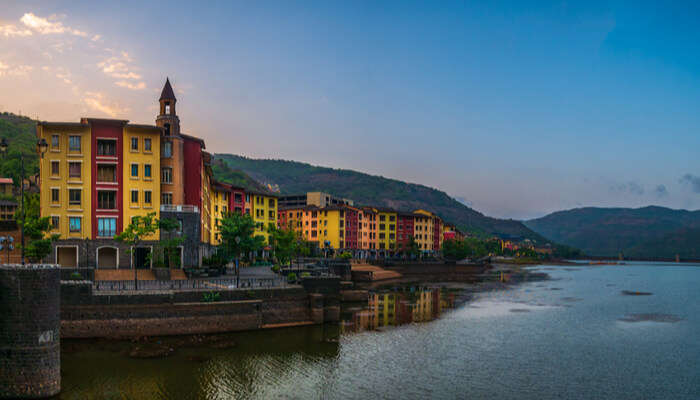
(54,195)
(382,218)
(106,147)
(147,144)
(74,169)
(74,197)
(237,197)
(106,227)
(54,222)
(106,199)
(134,170)
(54,141)
(167,175)
(167,129)
(74,224)
(382,227)
(271,215)
(166,198)
(134,144)
(167,108)
(271,203)
(167,150)
(106,173)
(134,196)
(74,143)
(55,168)
(147,196)
(147,170)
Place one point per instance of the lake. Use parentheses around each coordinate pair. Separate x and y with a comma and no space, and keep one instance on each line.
(591,332)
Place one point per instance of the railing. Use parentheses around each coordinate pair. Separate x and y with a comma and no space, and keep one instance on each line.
(179,208)
(191,284)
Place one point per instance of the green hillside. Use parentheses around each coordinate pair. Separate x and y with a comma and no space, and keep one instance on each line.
(20,133)
(648,232)
(294,178)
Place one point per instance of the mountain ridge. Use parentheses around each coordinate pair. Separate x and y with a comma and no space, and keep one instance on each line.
(293,177)
(643,232)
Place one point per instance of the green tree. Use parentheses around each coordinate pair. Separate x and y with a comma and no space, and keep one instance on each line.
(135,233)
(236,234)
(284,243)
(169,244)
(37,240)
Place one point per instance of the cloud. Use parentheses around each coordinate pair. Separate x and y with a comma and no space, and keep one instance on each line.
(48,26)
(132,86)
(17,70)
(97,101)
(96,38)
(660,191)
(691,180)
(629,187)
(13,30)
(117,67)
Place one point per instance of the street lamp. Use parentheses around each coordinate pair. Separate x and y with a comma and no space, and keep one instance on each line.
(238,269)
(41,147)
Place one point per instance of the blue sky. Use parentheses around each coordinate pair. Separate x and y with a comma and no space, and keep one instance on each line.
(516,108)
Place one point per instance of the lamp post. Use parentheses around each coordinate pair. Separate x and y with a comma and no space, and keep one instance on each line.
(238,269)
(41,147)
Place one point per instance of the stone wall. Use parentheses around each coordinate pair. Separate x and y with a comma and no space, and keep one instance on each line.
(29,331)
(88,314)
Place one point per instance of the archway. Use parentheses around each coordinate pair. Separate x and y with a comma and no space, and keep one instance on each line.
(107,257)
(67,256)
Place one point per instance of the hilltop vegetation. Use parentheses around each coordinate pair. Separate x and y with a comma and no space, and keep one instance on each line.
(648,232)
(293,177)
(20,133)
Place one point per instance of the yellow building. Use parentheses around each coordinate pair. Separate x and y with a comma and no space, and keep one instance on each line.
(219,199)
(263,209)
(423,229)
(141,173)
(66,184)
(386,230)
(331,228)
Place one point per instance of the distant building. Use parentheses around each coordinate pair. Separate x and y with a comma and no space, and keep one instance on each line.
(318,199)
(7,210)
(6,186)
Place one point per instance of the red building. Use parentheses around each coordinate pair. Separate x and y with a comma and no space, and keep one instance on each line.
(404,230)
(107,191)
(351,228)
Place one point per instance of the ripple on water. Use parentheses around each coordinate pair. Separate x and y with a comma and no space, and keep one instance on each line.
(651,317)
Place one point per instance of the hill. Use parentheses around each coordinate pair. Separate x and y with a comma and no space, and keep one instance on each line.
(293,177)
(20,133)
(648,232)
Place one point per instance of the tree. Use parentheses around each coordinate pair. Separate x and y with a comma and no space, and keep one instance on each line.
(37,241)
(236,234)
(413,248)
(169,244)
(283,242)
(140,228)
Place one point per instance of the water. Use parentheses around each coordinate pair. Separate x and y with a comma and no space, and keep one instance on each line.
(570,337)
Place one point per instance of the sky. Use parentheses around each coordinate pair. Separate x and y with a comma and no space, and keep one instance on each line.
(517,109)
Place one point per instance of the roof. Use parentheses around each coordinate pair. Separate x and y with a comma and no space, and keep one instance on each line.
(6,180)
(144,126)
(104,121)
(167,93)
(63,124)
(260,193)
(196,139)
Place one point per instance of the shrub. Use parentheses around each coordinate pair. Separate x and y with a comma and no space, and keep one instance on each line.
(305,274)
(75,276)
(292,277)
(211,297)
(345,256)
(275,268)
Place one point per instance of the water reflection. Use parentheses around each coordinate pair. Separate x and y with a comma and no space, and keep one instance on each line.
(398,307)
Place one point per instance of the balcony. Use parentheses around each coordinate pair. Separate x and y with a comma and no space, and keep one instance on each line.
(179,208)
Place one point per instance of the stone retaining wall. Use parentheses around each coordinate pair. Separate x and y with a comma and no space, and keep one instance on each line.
(88,314)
